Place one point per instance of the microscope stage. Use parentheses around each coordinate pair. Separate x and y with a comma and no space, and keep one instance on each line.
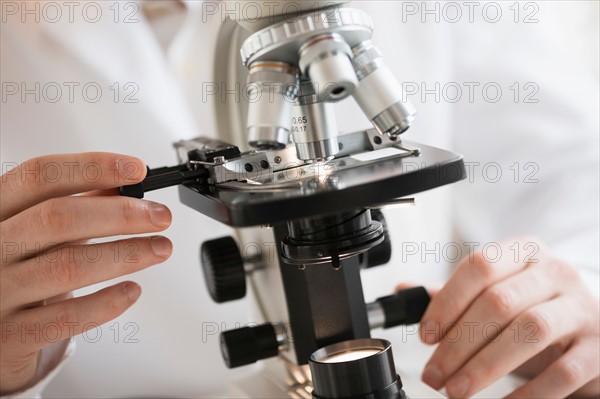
(343,184)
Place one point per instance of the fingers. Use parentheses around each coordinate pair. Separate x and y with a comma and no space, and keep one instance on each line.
(578,366)
(39,179)
(98,193)
(533,331)
(68,268)
(471,277)
(38,327)
(489,314)
(66,219)
(432,288)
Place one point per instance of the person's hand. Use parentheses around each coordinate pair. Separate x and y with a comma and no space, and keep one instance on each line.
(45,230)
(504,312)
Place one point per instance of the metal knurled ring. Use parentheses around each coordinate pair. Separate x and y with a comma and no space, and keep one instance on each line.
(338,20)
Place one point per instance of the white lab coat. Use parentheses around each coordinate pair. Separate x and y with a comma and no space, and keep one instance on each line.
(169,348)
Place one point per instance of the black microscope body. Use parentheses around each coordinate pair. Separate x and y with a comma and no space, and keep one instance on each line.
(327,226)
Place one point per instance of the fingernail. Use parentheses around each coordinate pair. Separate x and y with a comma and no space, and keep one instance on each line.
(429,332)
(433,376)
(161,246)
(133,291)
(159,215)
(458,387)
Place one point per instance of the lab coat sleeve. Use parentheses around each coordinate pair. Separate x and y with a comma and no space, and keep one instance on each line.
(532,156)
(52,359)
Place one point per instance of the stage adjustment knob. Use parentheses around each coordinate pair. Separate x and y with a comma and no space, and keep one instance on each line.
(223,268)
(402,308)
(249,344)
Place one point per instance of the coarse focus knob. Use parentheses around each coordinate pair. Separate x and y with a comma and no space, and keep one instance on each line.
(247,345)
(223,268)
(380,254)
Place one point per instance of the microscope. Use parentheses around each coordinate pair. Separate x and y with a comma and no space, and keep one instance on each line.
(308,200)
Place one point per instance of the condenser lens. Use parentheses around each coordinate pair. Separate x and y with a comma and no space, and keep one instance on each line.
(351,356)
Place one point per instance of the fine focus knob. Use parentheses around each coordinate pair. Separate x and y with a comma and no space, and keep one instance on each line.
(223,268)
(247,345)
(380,254)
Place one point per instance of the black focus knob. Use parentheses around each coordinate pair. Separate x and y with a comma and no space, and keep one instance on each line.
(382,253)
(249,344)
(404,307)
(223,268)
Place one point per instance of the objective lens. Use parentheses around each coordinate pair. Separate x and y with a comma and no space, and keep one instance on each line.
(314,130)
(355,369)
(326,60)
(272,89)
(379,94)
